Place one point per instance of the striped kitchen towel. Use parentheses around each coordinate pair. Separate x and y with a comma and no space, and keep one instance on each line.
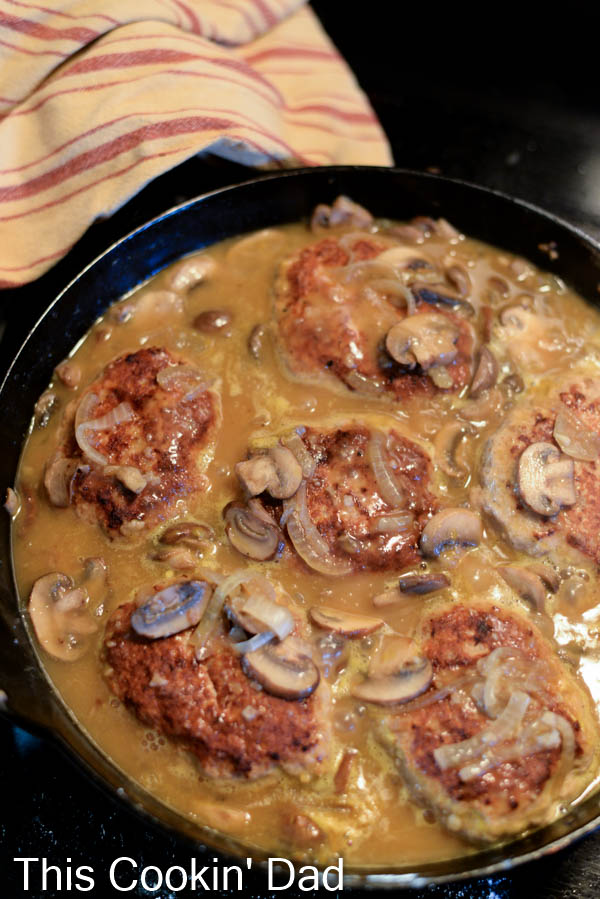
(97,97)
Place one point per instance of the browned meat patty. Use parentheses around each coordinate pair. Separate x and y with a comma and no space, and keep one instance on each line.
(575,529)
(521,728)
(210,706)
(139,465)
(367,501)
(330,321)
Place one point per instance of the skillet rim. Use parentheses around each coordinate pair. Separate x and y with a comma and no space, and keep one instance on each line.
(56,719)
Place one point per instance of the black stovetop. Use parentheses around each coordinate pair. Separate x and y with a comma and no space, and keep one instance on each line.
(505,97)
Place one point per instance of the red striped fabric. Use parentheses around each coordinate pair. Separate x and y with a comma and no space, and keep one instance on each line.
(97,98)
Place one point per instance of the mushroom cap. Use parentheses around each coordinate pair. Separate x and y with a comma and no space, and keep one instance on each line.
(252,531)
(405,684)
(172,610)
(486,372)
(451,527)
(574,438)
(345,623)
(277,471)
(425,339)
(284,669)
(420,584)
(526,583)
(59,617)
(546,479)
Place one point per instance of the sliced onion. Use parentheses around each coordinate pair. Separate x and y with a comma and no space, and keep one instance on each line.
(357,381)
(270,614)
(508,666)
(254,642)
(567,735)
(186,377)
(574,438)
(394,523)
(215,607)
(308,542)
(386,481)
(347,241)
(536,737)
(306,460)
(120,414)
(454,755)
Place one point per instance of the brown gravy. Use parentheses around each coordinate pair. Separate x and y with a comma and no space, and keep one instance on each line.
(374,823)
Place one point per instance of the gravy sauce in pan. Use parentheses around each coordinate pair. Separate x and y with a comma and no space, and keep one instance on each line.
(439,406)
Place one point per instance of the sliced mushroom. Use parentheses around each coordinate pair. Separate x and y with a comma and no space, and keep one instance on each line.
(300,830)
(277,471)
(44,408)
(486,372)
(192,271)
(546,479)
(549,576)
(450,444)
(284,669)
(574,438)
(129,476)
(252,531)
(341,777)
(59,616)
(439,295)
(57,479)
(516,316)
(256,340)
(152,309)
(172,610)
(69,373)
(343,212)
(526,583)
(424,339)
(187,533)
(514,383)
(180,558)
(389,598)
(394,652)
(420,584)
(459,279)
(213,321)
(12,503)
(451,527)
(408,681)
(347,624)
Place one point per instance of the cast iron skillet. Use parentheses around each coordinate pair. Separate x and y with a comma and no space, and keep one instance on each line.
(493,217)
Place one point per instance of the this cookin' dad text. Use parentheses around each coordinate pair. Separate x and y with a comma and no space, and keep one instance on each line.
(125,874)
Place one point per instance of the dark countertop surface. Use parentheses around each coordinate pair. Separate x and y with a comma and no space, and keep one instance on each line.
(501,96)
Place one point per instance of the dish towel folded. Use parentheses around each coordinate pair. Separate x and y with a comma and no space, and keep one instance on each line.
(97,97)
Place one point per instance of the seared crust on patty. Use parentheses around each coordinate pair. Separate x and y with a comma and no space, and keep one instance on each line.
(505,797)
(165,439)
(211,707)
(575,530)
(344,499)
(329,324)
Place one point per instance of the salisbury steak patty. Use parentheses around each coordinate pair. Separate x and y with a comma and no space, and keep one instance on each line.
(575,529)
(211,706)
(368,496)
(336,303)
(145,425)
(505,732)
